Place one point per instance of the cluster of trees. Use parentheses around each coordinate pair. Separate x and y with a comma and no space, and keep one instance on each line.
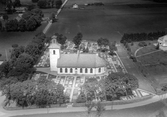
(134,37)
(103,43)
(48,3)
(61,39)
(41,93)
(96,4)
(161,1)
(10,5)
(112,87)
(15,2)
(29,21)
(20,66)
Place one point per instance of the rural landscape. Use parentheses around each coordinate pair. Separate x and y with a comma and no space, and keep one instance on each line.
(84,58)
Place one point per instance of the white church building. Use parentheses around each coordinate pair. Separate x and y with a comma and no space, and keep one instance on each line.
(75,63)
(162,41)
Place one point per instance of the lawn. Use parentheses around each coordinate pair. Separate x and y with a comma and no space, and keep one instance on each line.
(153,68)
(144,111)
(108,21)
(20,38)
(149,48)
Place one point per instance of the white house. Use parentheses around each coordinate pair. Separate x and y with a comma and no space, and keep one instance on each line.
(75,6)
(162,41)
(77,63)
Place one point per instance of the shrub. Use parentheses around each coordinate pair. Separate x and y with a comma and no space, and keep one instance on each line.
(81,98)
(142,44)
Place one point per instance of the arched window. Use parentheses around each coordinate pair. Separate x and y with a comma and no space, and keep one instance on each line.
(71,70)
(99,70)
(80,70)
(61,70)
(91,70)
(86,70)
(54,52)
(65,70)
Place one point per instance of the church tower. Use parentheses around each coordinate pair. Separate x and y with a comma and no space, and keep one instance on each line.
(54,52)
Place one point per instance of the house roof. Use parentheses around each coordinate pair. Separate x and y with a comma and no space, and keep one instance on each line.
(54,46)
(80,61)
(163,38)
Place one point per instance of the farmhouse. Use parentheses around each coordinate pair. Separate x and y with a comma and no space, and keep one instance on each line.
(162,41)
(76,63)
(75,6)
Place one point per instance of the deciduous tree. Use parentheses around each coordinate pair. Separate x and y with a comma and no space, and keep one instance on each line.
(42,3)
(58,3)
(22,25)
(77,39)
(5,17)
(31,24)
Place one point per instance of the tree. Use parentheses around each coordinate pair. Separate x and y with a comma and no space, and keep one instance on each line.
(3,1)
(142,44)
(0,25)
(17,50)
(112,46)
(22,91)
(102,42)
(5,17)
(5,68)
(15,45)
(81,98)
(27,15)
(77,39)
(99,108)
(49,93)
(58,4)
(90,88)
(22,25)
(53,18)
(38,12)
(42,3)
(34,1)
(117,84)
(61,39)
(31,24)
(24,62)
(89,105)
(37,19)
(12,25)
(9,6)
(31,7)
(17,3)
(157,47)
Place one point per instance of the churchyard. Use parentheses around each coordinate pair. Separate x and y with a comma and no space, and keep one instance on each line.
(73,83)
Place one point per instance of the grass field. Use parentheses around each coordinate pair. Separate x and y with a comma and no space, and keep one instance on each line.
(149,48)
(20,38)
(144,111)
(152,67)
(108,21)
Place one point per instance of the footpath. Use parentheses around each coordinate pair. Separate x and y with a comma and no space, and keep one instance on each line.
(5,113)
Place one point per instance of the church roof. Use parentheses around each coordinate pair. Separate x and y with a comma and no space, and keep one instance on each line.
(80,61)
(54,46)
